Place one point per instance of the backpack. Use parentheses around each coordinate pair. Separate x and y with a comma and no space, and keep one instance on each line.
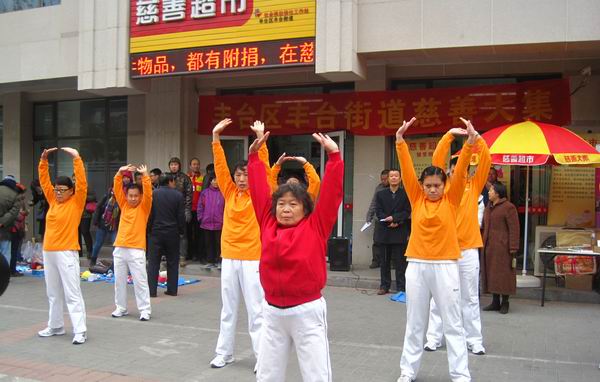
(110,217)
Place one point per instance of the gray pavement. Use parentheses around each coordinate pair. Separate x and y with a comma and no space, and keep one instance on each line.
(559,342)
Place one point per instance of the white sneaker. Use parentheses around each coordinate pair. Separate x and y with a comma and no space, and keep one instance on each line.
(79,338)
(221,360)
(145,316)
(255,367)
(405,378)
(477,349)
(430,346)
(49,332)
(119,313)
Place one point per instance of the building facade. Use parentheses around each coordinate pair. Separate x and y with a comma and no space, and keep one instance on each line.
(65,81)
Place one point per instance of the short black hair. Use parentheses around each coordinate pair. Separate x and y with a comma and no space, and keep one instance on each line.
(210,167)
(134,186)
(500,189)
(156,171)
(394,169)
(64,181)
(193,159)
(299,193)
(165,179)
(208,178)
(385,172)
(433,171)
(494,168)
(240,166)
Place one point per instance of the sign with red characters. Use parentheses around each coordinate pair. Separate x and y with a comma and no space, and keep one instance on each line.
(382,112)
(265,54)
(170,37)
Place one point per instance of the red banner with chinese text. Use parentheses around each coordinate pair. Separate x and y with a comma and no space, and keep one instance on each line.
(381,112)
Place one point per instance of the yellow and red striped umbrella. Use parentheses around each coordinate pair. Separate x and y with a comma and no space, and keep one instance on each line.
(533,143)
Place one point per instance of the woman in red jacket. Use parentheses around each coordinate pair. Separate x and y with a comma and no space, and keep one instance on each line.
(292,266)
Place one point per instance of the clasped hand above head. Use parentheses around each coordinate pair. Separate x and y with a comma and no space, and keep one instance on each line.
(457,131)
(258,127)
(142,169)
(71,151)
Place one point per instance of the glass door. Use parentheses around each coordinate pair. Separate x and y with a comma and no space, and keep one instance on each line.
(236,149)
(338,137)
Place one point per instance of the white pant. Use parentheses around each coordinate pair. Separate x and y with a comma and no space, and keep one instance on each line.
(440,281)
(131,260)
(240,277)
(62,274)
(468,268)
(304,327)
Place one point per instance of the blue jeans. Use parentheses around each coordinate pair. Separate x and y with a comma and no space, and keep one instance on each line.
(101,234)
(5,249)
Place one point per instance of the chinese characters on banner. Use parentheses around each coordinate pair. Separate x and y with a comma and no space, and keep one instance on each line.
(573,192)
(267,54)
(382,112)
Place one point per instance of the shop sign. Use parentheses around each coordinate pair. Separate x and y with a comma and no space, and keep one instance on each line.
(572,193)
(265,54)
(170,37)
(382,112)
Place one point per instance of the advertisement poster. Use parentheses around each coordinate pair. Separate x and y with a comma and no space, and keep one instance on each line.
(574,194)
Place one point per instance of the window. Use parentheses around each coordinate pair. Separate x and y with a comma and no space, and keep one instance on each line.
(19,5)
(95,127)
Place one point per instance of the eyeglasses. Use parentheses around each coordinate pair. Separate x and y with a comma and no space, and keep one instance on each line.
(61,190)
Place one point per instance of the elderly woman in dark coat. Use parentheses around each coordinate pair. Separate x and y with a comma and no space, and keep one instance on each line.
(501,243)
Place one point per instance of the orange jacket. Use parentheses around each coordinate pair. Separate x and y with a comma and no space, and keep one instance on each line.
(467,221)
(133,220)
(433,224)
(62,219)
(240,237)
(314,182)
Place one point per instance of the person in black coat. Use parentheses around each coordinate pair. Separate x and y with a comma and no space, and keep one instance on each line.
(392,209)
(166,226)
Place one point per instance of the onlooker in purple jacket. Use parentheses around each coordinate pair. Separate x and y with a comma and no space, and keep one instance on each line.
(210,217)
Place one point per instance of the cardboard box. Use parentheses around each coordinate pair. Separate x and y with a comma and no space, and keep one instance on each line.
(574,238)
(579,282)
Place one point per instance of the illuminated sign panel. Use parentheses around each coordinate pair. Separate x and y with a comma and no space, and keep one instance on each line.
(267,54)
(170,37)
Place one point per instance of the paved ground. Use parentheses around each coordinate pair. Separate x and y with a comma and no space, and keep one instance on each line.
(557,343)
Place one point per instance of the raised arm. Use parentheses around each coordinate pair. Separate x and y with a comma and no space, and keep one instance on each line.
(440,155)
(326,209)
(263,153)
(314,182)
(44,174)
(458,182)
(146,188)
(275,170)
(222,172)
(483,168)
(80,178)
(409,177)
(260,191)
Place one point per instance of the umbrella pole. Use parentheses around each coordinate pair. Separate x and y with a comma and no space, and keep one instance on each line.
(526,222)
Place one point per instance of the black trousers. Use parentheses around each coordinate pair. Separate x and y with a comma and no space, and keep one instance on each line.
(195,249)
(166,244)
(213,246)
(16,239)
(388,253)
(377,248)
(84,230)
